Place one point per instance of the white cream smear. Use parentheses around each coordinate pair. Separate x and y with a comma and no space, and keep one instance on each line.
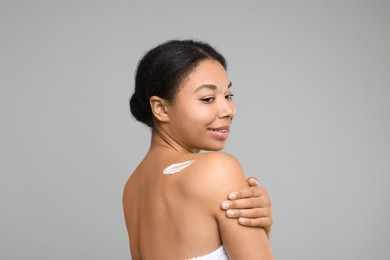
(176,167)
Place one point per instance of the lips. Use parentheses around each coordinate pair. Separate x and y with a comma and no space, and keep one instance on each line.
(226,127)
(222,132)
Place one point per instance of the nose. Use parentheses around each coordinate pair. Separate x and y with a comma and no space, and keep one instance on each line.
(227,109)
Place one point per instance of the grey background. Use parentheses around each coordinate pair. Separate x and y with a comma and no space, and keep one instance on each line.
(312,85)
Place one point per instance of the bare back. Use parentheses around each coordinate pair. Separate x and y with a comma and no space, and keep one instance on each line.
(165,217)
(178,216)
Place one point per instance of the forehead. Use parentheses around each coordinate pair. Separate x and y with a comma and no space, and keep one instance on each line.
(207,72)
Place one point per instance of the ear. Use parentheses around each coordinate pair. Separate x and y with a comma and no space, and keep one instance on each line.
(159,108)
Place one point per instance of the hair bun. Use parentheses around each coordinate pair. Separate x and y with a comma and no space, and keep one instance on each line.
(138,110)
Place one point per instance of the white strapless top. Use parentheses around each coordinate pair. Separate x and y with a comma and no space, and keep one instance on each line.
(218,254)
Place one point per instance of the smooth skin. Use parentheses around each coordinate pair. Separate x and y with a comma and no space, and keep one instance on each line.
(179,216)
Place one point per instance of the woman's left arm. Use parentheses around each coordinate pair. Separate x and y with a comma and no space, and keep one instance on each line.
(251,206)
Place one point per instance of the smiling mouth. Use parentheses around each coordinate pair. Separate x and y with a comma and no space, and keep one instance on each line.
(222,129)
(222,133)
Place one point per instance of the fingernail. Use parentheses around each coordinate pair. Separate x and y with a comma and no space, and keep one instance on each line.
(241,221)
(230,213)
(225,205)
(233,196)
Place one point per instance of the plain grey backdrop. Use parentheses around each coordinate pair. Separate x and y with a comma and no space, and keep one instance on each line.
(312,85)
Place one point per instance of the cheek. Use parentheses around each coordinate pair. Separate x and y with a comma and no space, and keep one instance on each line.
(194,120)
(203,116)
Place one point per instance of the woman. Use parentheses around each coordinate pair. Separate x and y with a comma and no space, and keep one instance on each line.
(172,199)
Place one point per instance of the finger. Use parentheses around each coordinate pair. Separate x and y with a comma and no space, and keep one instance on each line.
(249,213)
(265,223)
(248,192)
(252,181)
(249,203)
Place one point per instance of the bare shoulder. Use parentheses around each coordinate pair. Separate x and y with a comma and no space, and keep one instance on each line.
(220,165)
(216,158)
(214,175)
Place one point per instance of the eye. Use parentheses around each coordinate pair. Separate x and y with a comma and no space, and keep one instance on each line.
(207,100)
(230,96)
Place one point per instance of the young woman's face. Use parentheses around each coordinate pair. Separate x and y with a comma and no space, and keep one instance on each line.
(202,112)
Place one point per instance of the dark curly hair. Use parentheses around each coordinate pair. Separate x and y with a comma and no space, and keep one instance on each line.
(161,71)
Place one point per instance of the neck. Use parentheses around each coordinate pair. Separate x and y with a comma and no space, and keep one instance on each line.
(162,139)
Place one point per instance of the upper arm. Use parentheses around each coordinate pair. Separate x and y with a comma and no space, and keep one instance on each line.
(225,174)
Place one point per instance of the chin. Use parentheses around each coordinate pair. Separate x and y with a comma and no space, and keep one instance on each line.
(210,146)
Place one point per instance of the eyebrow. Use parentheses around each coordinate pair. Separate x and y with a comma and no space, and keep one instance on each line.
(210,86)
